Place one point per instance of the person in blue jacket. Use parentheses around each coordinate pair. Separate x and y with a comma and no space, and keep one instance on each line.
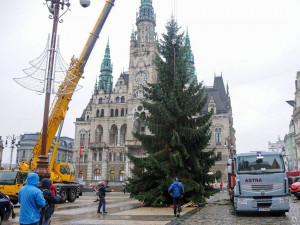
(102,193)
(48,210)
(175,190)
(31,201)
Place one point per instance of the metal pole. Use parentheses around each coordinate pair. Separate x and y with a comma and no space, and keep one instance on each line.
(42,163)
(12,150)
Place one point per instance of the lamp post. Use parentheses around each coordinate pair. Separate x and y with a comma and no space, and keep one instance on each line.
(54,6)
(13,144)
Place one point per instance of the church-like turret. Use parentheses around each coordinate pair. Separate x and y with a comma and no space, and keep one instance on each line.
(146,12)
(105,78)
(190,59)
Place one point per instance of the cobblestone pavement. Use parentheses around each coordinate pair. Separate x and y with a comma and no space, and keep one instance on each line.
(219,210)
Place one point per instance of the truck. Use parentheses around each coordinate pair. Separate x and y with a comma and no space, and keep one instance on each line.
(257,182)
(63,175)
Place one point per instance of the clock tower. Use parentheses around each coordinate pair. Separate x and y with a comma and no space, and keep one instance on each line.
(142,51)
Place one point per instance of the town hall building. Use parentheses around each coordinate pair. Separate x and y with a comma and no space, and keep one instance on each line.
(103,133)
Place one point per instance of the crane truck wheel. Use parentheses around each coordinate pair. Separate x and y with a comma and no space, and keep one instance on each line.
(72,195)
(14,202)
(63,195)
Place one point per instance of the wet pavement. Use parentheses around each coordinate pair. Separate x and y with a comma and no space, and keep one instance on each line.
(121,210)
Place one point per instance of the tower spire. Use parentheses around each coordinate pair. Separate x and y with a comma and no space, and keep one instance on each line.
(190,58)
(146,12)
(105,78)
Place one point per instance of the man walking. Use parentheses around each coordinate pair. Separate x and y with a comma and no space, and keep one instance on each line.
(102,193)
(176,189)
(31,201)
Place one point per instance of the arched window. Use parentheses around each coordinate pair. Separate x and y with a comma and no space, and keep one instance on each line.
(123,131)
(122,177)
(95,156)
(122,99)
(88,118)
(116,113)
(114,156)
(100,156)
(122,112)
(113,135)
(97,174)
(102,113)
(126,111)
(82,140)
(81,174)
(112,175)
(110,156)
(218,135)
(100,100)
(122,156)
(117,99)
(111,112)
(99,134)
(97,113)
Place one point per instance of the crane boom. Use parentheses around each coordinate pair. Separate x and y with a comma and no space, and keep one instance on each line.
(68,86)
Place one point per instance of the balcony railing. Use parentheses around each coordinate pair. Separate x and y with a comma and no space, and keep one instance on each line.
(97,144)
(132,143)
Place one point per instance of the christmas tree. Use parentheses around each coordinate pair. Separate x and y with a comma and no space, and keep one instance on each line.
(179,131)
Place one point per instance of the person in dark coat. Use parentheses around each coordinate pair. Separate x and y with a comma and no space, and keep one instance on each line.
(48,210)
(175,190)
(102,193)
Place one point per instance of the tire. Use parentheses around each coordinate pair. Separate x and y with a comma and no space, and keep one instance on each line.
(63,195)
(72,195)
(14,202)
(298,196)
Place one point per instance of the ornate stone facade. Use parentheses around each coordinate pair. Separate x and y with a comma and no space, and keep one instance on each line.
(104,131)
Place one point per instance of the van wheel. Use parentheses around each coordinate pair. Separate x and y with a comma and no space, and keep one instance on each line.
(63,195)
(72,195)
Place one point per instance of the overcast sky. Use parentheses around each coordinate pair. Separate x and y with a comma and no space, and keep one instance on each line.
(254,43)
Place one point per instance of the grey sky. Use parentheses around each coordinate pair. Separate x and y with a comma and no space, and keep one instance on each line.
(254,43)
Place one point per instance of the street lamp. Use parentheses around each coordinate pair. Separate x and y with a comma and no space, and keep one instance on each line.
(13,144)
(54,6)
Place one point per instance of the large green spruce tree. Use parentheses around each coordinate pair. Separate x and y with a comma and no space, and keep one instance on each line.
(179,132)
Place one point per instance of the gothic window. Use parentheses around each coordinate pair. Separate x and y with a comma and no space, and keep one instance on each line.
(219,156)
(89,141)
(100,156)
(99,134)
(117,99)
(114,156)
(142,39)
(100,100)
(97,174)
(123,134)
(116,113)
(88,118)
(112,175)
(126,111)
(122,156)
(81,174)
(95,157)
(122,99)
(82,139)
(97,113)
(122,112)
(122,177)
(111,112)
(102,113)
(113,135)
(85,158)
(218,135)
(110,156)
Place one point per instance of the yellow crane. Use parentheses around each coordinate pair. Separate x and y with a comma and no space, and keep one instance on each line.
(62,174)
